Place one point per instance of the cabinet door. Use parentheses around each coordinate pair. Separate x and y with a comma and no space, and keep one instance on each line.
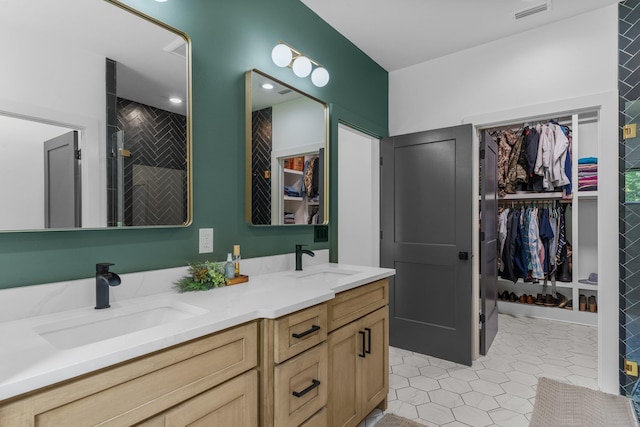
(345,352)
(234,403)
(375,364)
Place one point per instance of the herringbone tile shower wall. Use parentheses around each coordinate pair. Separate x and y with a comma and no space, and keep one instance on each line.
(261,161)
(155,175)
(629,88)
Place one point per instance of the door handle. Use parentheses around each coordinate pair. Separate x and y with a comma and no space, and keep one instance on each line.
(368,350)
(313,329)
(463,255)
(314,384)
(362,334)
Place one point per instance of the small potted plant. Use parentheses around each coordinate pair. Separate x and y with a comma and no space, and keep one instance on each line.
(202,276)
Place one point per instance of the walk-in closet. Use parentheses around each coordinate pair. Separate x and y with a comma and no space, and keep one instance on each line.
(547,217)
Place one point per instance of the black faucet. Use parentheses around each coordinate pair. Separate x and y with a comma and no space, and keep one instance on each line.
(299,252)
(104,279)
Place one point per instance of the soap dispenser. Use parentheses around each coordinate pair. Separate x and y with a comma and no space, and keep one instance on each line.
(229,270)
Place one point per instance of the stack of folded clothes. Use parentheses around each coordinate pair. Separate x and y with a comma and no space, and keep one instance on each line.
(289,218)
(588,174)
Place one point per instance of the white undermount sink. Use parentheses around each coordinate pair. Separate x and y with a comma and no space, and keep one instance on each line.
(100,325)
(328,275)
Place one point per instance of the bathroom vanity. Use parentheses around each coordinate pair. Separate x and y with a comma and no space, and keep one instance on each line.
(306,348)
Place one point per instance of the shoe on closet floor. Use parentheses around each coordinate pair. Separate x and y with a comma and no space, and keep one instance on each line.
(569,305)
(583,303)
(504,296)
(539,299)
(593,306)
(562,300)
(550,301)
(530,299)
(522,299)
(513,297)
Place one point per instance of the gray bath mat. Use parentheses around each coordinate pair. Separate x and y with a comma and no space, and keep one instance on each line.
(559,404)
(390,420)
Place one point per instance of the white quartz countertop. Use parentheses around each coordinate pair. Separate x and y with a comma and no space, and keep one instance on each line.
(31,361)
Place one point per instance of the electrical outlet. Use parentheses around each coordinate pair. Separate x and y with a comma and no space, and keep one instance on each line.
(206,240)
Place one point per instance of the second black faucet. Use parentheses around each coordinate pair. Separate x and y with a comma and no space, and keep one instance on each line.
(299,252)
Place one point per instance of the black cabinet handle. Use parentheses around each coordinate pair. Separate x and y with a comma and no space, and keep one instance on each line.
(368,350)
(314,384)
(314,328)
(362,334)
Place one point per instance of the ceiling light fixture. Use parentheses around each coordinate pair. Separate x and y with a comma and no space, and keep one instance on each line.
(175,100)
(284,55)
(267,86)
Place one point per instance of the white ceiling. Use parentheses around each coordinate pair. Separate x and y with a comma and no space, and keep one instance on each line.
(400,33)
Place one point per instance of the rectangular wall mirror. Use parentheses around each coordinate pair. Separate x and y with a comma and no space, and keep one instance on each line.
(90,137)
(286,154)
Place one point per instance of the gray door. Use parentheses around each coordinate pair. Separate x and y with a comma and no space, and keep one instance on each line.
(62,182)
(426,221)
(488,242)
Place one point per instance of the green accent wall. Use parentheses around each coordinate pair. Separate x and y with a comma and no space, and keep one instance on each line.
(228,38)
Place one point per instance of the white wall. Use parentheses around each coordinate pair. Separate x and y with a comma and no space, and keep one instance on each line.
(22,163)
(567,59)
(47,81)
(565,66)
(358,198)
(297,123)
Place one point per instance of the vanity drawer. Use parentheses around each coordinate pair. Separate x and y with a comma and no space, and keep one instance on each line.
(320,419)
(299,331)
(300,387)
(137,390)
(353,304)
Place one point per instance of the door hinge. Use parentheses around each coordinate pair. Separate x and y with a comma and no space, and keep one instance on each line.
(483,318)
(78,154)
(631,368)
(381,161)
(629,131)
(482,154)
(380,234)
(482,236)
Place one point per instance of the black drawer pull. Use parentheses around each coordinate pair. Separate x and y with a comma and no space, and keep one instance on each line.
(362,334)
(368,350)
(314,384)
(313,329)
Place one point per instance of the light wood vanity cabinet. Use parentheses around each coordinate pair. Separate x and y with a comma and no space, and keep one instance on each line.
(154,390)
(294,368)
(326,365)
(358,353)
(342,345)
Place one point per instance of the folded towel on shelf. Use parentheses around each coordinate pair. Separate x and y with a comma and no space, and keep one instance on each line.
(292,191)
(587,160)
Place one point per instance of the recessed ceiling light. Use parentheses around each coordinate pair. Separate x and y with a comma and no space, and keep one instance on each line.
(267,86)
(175,99)
(161,1)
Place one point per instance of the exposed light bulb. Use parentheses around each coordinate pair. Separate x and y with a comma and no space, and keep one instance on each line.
(301,66)
(281,55)
(320,77)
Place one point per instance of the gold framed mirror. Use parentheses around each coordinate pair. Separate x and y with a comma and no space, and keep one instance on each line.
(287,154)
(91,138)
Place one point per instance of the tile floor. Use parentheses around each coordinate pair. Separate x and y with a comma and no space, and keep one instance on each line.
(499,389)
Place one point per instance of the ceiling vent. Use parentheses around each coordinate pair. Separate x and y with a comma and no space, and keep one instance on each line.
(177,47)
(284,91)
(532,10)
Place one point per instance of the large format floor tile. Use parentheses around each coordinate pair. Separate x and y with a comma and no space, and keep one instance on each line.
(499,388)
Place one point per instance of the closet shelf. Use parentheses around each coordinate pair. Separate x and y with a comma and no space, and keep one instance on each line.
(553,313)
(503,283)
(533,196)
(293,198)
(293,171)
(588,195)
